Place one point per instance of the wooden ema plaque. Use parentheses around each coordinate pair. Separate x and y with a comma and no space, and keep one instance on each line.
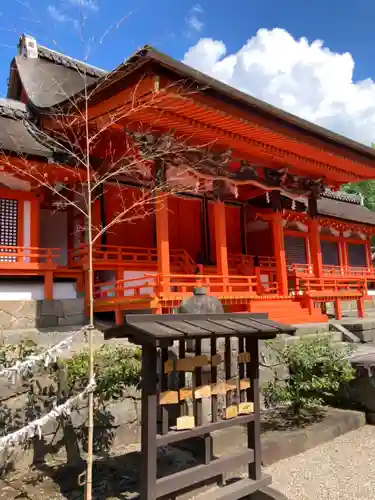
(231,411)
(185,423)
(168,398)
(243,357)
(202,392)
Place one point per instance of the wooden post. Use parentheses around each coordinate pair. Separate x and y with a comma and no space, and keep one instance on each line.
(162,242)
(221,239)
(315,249)
(149,423)
(279,252)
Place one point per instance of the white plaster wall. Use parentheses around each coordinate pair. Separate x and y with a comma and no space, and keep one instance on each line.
(24,290)
(54,233)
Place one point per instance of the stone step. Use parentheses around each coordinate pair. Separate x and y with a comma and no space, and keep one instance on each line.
(332,336)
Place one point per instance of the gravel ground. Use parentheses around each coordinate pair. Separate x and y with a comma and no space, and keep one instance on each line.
(342,469)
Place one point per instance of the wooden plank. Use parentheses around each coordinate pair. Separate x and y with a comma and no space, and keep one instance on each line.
(201,360)
(212,327)
(216,359)
(203,391)
(168,398)
(185,365)
(195,475)
(174,436)
(186,393)
(185,422)
(187,328)
(219,388)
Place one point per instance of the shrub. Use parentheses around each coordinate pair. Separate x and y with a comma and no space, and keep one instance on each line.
(317,369)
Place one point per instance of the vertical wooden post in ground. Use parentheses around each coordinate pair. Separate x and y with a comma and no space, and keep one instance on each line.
(149,423)
(221,240)
(162,242)
(279,250)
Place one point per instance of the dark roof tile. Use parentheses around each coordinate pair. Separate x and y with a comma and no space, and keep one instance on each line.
(18,134)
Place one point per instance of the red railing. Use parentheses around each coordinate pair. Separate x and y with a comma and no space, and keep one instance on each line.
(180,285)
(330,285)
(305,269)
(347,271)
(21,257)
(113,255)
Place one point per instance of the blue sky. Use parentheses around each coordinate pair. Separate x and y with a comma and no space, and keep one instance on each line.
(175,26)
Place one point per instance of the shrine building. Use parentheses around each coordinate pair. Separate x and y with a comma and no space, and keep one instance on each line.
(257,217)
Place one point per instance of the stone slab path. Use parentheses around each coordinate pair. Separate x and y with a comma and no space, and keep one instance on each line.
(341,469)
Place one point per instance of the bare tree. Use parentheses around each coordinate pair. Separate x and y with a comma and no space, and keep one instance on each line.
(96,152)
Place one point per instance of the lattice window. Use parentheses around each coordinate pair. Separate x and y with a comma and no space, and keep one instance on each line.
(8,228)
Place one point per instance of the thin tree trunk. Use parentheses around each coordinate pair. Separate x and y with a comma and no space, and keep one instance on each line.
(90,437)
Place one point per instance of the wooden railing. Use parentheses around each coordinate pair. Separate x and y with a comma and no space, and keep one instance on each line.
(305,269)
(180,285)
(237,259)
(347,271)
(21,257)
(330,285)
(113,255)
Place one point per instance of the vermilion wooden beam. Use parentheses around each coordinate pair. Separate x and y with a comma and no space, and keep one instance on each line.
(221,239)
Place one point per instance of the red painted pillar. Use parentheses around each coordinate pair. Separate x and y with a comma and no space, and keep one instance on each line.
(162,241)
(315,249)
(368,254)
(279,252)
(221,239)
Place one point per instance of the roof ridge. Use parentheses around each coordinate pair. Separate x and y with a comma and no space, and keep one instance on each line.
(13,109)
(355,199)
(69,62)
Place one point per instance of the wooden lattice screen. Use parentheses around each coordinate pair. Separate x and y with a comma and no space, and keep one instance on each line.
(8,228)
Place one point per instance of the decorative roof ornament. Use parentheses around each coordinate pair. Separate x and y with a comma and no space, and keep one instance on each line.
(27,47)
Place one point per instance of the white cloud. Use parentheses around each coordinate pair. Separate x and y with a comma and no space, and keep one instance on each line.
(306,79)
(193,20)
(60,17)
(57,15)
(86,4)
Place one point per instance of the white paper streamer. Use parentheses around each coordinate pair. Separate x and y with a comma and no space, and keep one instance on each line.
(22,368)
(34,428)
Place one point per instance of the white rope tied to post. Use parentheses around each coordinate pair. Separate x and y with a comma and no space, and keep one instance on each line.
(34,428)
(22,368)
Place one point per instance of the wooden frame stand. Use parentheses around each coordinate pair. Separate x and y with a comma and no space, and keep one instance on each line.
(233,384)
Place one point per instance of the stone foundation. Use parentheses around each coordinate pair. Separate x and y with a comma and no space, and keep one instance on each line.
(19,314)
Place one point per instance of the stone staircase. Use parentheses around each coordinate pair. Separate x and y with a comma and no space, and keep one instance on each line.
(287,311)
